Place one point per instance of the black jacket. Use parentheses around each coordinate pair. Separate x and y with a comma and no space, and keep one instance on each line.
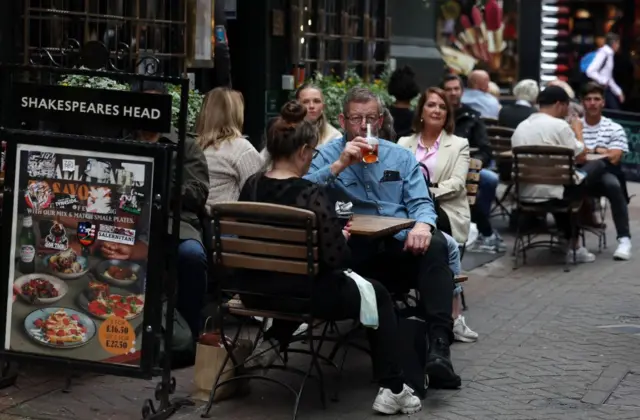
(512,115)
(470,126)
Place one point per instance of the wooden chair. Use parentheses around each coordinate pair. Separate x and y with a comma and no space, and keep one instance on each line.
(262,238)
(542,165)
(500,141)
(490,122)
(473,179)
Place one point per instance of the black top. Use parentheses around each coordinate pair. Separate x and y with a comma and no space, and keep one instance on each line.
(298,192)
(512,115)
(402,121)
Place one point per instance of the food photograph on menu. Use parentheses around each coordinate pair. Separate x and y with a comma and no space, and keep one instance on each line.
(78,263)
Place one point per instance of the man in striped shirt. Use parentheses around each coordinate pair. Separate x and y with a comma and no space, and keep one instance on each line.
(603,136)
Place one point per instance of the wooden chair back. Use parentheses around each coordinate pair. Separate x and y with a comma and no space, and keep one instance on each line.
(473,179)
(266,237)
(489,122)
(542,165)
(499,139)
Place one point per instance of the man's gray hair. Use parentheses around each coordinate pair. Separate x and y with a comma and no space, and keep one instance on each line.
(526,90)
(360,95)
(611,38)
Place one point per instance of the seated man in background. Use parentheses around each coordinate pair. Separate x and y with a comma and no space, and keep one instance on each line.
(470,126)
(477,95)
(548,128)
(606,137)
(526,93)
(394,186)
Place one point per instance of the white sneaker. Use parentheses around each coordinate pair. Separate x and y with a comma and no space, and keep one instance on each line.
(264,355)
(473,235)
(461,332)
(301,329)
(582,256)
(623,252)
(389,403)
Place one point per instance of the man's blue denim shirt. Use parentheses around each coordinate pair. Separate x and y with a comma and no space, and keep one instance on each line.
(360,183)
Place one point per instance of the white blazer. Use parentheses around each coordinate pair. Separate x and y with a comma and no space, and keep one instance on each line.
(452,166)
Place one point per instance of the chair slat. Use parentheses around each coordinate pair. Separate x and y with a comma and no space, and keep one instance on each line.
(544,180)
(264,212)
(253,247)
(473,177)
(266,264)
(542,161)
(275,233)
(472,188)
(545,171)
(475,164)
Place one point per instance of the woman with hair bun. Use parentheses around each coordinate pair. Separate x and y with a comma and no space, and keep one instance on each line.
(292,142)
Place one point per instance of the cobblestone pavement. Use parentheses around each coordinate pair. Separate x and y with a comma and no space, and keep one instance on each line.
(553,345)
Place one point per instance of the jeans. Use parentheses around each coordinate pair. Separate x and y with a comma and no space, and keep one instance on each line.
(454,260)
(454,254)
(192,283)
(609,186)
(429,273)
(336,298)
(611,100)
(481,210)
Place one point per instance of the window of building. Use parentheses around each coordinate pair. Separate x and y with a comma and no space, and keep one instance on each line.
(335,35)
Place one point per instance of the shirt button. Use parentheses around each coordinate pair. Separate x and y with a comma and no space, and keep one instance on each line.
(368,186)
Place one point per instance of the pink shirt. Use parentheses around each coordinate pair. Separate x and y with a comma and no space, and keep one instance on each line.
(428,157)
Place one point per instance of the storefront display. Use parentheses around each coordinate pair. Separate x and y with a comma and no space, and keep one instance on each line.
(479,35)
(77,269)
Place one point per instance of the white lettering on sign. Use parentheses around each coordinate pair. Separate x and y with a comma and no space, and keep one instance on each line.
(62,105)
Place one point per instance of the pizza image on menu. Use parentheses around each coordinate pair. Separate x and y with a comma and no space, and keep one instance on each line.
(57,237)
(99,200)
(38,195)
(109,233)
(104,303)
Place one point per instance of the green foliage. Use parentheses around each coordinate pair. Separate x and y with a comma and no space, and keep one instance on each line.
(334,89)
(194,101)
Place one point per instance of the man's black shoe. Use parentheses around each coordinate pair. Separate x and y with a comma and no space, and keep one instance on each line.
(439,367)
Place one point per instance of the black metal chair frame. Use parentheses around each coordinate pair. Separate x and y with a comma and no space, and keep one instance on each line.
(244,373)
(521,246)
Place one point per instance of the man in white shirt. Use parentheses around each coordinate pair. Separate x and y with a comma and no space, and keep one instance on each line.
(604,136)
(477,95)
(601,71)
(548,128)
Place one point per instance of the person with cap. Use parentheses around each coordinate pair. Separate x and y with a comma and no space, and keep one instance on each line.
(192,258)
(548,128)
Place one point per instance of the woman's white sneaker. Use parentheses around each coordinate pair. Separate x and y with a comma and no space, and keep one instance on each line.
(623,252)
(582,256)
(461,332)
(389,403)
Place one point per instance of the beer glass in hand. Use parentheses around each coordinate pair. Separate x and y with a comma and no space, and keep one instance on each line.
(372,155)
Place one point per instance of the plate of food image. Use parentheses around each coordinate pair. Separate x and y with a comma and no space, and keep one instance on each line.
(60,328)
(102,302)
(119,272)
(39,289)
(66,264)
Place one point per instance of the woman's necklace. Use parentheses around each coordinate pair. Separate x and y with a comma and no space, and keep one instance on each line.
(427,148)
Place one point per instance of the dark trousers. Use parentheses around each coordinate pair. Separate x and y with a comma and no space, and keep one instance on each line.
(337,298)
(609,186)
(593,171)
(192,283)
(610,100)
(429,273)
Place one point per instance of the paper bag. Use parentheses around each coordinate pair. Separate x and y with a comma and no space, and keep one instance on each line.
(209,359)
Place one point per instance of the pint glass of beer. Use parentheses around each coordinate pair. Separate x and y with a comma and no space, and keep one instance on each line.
(372,155)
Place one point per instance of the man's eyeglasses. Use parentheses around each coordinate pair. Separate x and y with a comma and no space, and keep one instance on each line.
(357,119)
(315,152)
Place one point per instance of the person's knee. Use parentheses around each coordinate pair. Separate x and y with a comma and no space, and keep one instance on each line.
(488,179)
(611,182)
(439,246)
(191,253)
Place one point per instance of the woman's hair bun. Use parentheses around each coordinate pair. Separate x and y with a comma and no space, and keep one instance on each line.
(293,112)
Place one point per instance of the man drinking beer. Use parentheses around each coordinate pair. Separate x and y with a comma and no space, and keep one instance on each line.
(393,187)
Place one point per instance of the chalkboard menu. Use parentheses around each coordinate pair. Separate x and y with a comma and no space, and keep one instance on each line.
(631,124)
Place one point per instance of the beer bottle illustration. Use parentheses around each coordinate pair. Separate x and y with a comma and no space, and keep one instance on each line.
(27,246)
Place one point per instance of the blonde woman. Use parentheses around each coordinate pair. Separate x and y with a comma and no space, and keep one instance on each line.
(312,98)
(230,157)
